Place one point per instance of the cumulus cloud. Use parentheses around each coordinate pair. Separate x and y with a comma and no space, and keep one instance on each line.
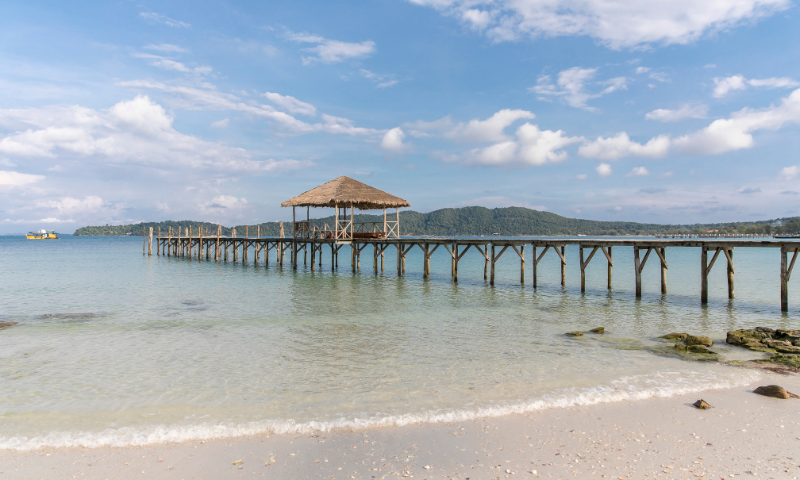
(532,147)
(72,205)
(571,86)
(489,130)
(163,19)
(332,51)
(610,23)
(16,179)
(291,104)
(789,173)
(641,70)
(637,172)
(220,123)
(603,170)
(686,111)
(725,85)
(136,131)
(392,141)
(225,202)
(621,146)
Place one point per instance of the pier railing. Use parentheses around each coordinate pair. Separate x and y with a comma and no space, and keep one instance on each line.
(346,230)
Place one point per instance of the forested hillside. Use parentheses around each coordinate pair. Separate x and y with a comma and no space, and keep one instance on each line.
(481,221)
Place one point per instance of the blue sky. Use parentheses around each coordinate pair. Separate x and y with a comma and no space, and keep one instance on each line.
(669,111)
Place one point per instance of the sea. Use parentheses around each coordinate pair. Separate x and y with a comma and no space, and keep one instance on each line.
(116,348)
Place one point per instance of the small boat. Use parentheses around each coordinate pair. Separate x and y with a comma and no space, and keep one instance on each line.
(495,234)
(42,235)
(581,234)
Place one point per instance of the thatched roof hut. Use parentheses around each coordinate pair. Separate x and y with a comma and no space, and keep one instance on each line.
(344,191)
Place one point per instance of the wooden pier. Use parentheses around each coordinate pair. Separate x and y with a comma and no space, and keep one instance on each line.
(217,248)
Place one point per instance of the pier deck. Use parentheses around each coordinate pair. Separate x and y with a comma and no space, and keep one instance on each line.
(233,248)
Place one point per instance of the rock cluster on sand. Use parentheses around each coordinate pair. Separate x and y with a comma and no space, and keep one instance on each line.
(762,339)
(7,324)
(775,391)
(691,343)
(599,330)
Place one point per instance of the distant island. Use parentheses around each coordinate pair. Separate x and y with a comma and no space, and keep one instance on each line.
(480,221)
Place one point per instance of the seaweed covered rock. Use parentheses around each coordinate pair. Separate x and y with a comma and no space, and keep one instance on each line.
(762,339)
(697,340)
(598,330)
(774,391)
(5,324)
(676,336)
(574,334)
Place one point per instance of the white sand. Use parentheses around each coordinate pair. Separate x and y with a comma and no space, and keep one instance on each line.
(745,435)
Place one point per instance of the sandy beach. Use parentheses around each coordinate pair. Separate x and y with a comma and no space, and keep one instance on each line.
(744,435)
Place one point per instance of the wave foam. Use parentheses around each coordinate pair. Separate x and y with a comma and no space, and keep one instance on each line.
(640,387)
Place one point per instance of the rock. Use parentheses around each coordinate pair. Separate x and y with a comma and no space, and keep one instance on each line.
(7,324)
(788,360)
(681,347)
(742,337)
(676,336)
(701,404)
(695,340)
(598,330)
(700,349)
(774,391)
(574,334)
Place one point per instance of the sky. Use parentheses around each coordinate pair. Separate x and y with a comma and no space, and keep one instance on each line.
(666,111)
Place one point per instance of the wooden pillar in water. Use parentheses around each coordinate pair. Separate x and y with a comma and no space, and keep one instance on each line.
(637,267)
(583,270)
(158,245)
(563,267)
(144,241)
(533,252)
(784,279)
(425,263)
(704,275)
(522,264)
(169,241)
(150,243)
(491,259)
(216,248)
(455,263)
(189,250)
(313,252)
(731,271)
(610,264)
(399,260)
(663,271)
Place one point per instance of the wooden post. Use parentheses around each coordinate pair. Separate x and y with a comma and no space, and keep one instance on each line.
(491,276)
(522,264)
(313,252)
(216,248)
(425,258)
(784,279)
(382,257)
(169,241)
(563,267)
(533,252)
(583,270)
(399,260)
(398,223)
(637,267)
(704,276)
(610,264)
(384,222)
(455,263)
(333,256)
(158,245)
(144,240)
(294,238)
(335,227)
(234,245)
(150,243)
(731,271)
(258,231)
(375,258)
(663,271)
(485,263)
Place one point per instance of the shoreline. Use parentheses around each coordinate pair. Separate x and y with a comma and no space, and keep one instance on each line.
(660,437)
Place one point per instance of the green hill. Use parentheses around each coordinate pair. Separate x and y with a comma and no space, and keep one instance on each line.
(478,221)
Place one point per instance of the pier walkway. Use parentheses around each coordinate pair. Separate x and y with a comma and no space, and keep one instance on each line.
(219,248)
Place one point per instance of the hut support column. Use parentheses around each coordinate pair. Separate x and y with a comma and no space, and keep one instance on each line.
(399,260)
(375,258)
(294,238)
(313,253)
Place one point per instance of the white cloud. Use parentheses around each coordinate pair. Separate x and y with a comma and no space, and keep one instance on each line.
(422,128)
(710,65)
(532,147)
(71,205)
(225,202)
(166,47)
(603,170)
(621,146)
(660,76)
(571,86)
(157,17)
(221,123)
(612,23)
(640,70)
(16,179)
(332,51)
(137,131)
(381,80)
(477,19)
(392,141)
(291,104)
(582,176)
(637,172)
(735,133)
(686,111)
(167,64)
(489,130)
(192,97)
(789,173)
(723,86)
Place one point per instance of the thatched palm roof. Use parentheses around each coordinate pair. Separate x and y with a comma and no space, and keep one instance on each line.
(346,191)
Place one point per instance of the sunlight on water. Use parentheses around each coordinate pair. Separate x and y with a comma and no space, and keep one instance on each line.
(113,348)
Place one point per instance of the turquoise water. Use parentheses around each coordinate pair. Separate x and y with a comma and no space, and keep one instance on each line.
(115,348)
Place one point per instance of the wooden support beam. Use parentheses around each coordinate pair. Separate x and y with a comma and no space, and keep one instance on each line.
(533,253)
(584,265)
(491,276)
(662,255)
(785,273)
(607,253)
(313,253)
(521,255)
(144,241)
(731,271)
(637,268)
(150,245)
(704,275)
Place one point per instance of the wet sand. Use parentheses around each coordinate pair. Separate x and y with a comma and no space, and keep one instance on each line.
(744,435)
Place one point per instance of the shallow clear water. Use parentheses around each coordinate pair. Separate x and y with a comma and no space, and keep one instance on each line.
(113,348)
